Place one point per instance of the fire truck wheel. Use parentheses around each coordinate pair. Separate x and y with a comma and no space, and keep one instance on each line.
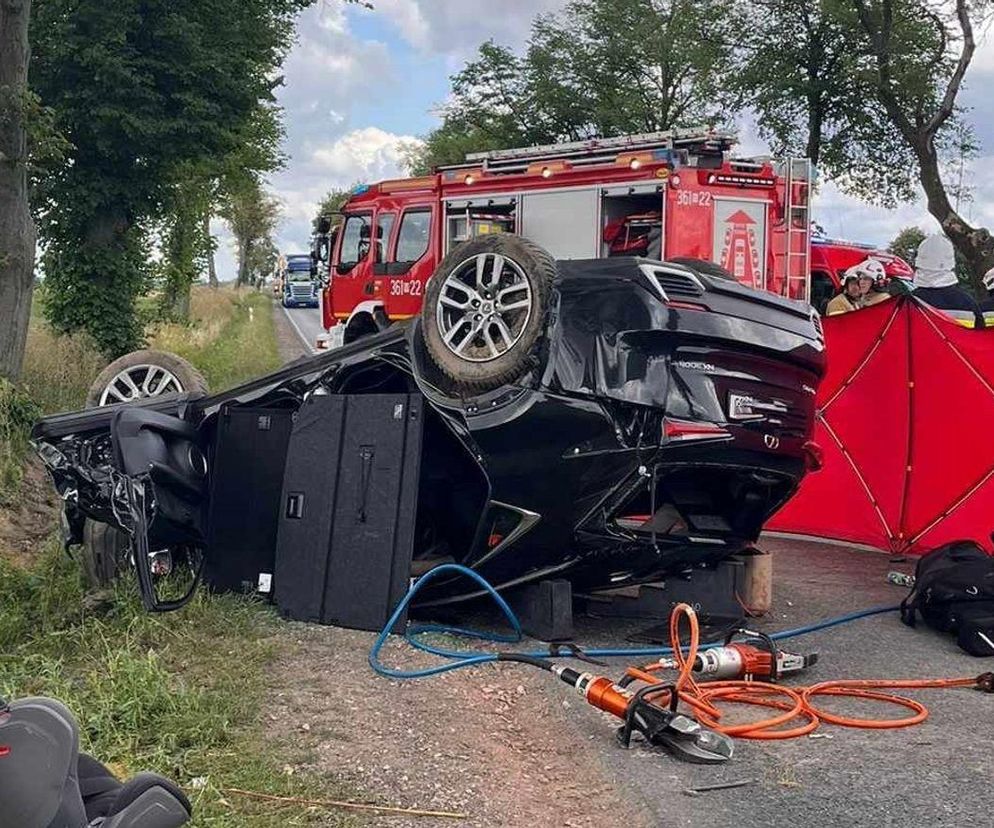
(485,310)
(136,375)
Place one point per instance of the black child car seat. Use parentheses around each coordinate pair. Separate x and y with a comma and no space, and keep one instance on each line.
(45,782)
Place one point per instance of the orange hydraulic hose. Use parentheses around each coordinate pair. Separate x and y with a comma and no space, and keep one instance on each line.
(793,703)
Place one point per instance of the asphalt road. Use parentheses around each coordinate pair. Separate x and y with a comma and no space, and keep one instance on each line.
(307,324)
(937,773)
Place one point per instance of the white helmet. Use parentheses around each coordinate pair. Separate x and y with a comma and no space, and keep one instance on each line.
(851,273)
(870,268)
(989,279)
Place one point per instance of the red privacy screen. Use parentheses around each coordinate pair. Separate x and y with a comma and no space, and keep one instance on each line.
(906,422)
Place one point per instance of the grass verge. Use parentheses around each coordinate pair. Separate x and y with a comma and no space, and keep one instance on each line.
(231,337)
(17,413)
(182,694)
(179,694)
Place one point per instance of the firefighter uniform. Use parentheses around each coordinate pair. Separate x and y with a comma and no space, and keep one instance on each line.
(844,302)
(841,304)
(875,297)
(936,283)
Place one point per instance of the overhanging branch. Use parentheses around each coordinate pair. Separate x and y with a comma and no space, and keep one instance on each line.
(948,105)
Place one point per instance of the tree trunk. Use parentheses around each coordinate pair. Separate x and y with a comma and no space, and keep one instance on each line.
(974,244)
(209,241)
(181,253)
(17,230)
(243,262)
(813,149)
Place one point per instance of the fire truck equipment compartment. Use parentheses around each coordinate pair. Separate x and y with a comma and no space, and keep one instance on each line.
(666,415)
(348,515)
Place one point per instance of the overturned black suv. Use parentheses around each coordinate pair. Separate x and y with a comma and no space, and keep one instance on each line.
(606,421)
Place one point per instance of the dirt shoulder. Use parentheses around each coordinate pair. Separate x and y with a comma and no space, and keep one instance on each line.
(26,523)
(493,742)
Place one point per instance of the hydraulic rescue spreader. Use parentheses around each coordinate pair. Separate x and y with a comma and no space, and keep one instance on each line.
(741,672)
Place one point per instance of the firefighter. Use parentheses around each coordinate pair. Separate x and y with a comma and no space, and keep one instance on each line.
(873,282)
(988,280)
(849,298)
(936,283)
(987,305)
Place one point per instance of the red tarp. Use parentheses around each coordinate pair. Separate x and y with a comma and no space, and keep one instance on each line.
(906,422)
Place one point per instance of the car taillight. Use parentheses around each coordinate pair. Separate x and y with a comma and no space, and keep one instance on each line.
(684,432)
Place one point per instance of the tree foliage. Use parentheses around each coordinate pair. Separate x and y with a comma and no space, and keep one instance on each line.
(918,54)
(143,90)
(185,246)
(905,244)
(253,217)
(195,196)
(600,68)
(800,69)
(331,207)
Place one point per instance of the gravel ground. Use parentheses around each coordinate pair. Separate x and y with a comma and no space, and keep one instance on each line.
(506,745)
(510,746)
(494,743)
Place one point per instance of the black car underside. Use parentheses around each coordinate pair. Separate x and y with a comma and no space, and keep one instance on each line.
(614,460)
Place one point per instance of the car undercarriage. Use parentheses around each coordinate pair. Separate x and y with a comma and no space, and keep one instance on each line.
(664,414)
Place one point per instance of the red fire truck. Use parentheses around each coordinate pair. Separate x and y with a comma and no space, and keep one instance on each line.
(665,195)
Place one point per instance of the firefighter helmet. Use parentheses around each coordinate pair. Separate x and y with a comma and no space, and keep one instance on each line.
(869,268)
(989,279)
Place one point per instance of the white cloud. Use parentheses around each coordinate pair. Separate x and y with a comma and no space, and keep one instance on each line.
(458,27)
(843,216)
(334,69)
(369,153)
(328,77)
(983,58)
(366,154)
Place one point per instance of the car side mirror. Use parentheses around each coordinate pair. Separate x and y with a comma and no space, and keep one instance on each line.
(324,225)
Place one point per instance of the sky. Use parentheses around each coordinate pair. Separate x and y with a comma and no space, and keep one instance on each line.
(361,84)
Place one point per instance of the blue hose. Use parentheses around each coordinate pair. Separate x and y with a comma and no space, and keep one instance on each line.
(467,658)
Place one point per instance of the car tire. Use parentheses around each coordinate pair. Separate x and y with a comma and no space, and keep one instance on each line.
(105,553)
(151,373)
(105,549)
(485,310)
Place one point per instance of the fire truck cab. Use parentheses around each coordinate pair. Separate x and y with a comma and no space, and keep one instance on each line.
(665,195)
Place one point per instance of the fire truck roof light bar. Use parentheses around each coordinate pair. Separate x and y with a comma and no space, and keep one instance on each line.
(695,137)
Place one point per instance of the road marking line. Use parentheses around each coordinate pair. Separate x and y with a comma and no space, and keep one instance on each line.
(303,338)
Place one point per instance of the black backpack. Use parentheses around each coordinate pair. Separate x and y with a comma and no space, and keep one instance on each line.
(954,592)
